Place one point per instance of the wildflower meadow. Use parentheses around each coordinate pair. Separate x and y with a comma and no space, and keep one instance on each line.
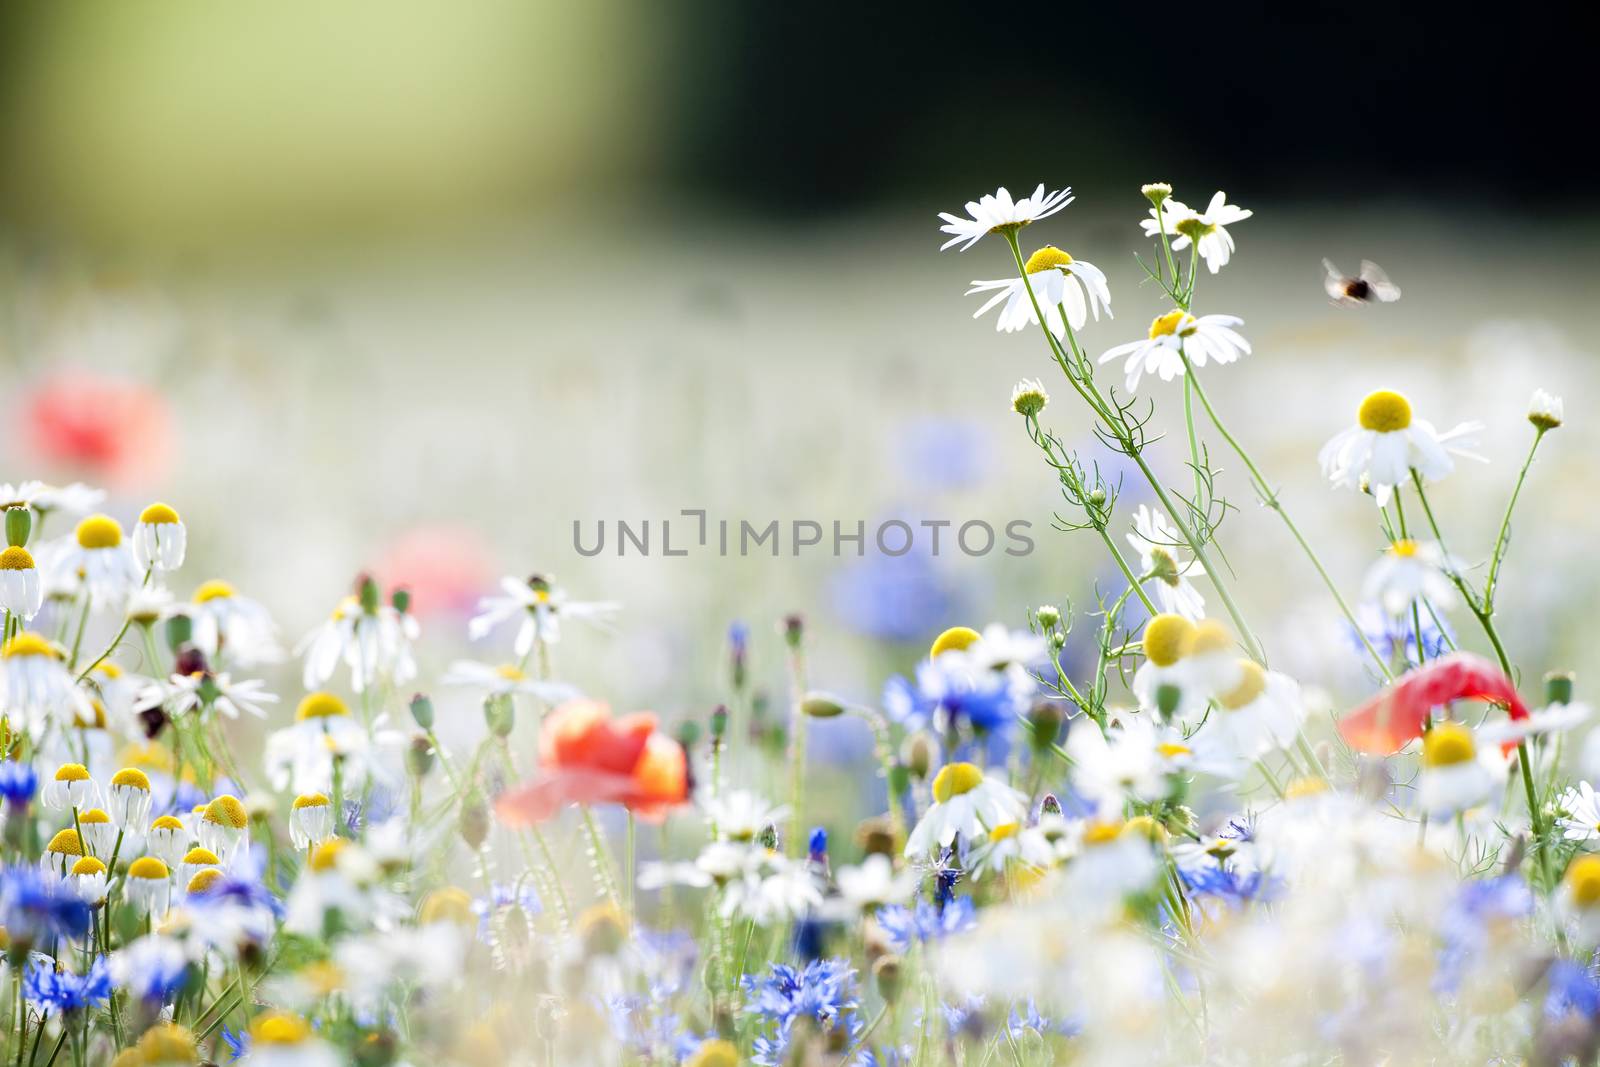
(1130,821)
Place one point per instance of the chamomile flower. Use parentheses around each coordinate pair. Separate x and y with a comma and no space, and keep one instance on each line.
(373,640)
(1262,712)
(775,889)
(740,815)
(1059,283)
(539,607)
(62,851)
(71,787)
(1208,228)
(1175,335)
(148,886)
(310,820)
(1028,397)
(225,826)
(965,803)
(1578,897)
(74,499)
(1388,443)
(875,883)
(232,628)
(1167,642)
(195,861)
(88,877)
(1011,843)
(998,212)
(21,589)
(38,686)
(1136,760)
(1409,572)
(1544,411)
(301,756)
(507,680)
(99,832)
(1580,819)
(99,555)
(1456,774)
(278,1039)
(184,694)
(1156,542)
(160,539)
(1111,859)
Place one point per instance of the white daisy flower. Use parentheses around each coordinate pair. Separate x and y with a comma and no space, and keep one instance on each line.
(1156,542)
(1011,843)
(21,588)
(1580,820)
(1058,282)
(779,890)
(1183,225)
(1556,718)
(1387,444)
(999,648)
(99,832)
(310,820)
(74,499)
(160,539)
(279,1039)
(540,607)
(1110,859)
(997,212)
(375,644)
(964,803)
(223,829)
(182,694)
(1408,572)
(229,625)
(98,555)
(875,883)
(1260,714)
(168,839)
(37,684)
(130,798)
(740,815)
(1544,410)
(1167,642)
(1133,761)
(1028,397)
(660,874)
(1457,773)
(506,680)
(148,886)
(301,757)
(89,880)
(1177,334)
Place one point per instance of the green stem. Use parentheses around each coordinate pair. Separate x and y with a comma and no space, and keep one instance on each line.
(1127,572)
(1501,543)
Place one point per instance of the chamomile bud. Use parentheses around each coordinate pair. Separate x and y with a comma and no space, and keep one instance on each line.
(71,788)
(889,974)
(130,797)
(1049,616)
(89,880)
(310,820)
(1558,687)
(500,714)
(21,591)
(99,834)
(719,723)
(918,752)
(1028,397)
(179,629)
(419,756)
(1544,411)
(1156,192)
(474,823)
(167,839)
(224,826)
(160,539)
(422,711)
(148,886)
(194,861)
(821,706)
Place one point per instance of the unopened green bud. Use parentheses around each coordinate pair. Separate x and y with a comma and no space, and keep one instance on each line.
(821,706)
(1049,616)
(19,524)
(688,733)
(719,722)
(1558,687)
(768,837)
(1050,805)
(501,714)
(422,711)
(1097,498)
(917,753)
(794,630)
(1167,699)
(474,823)
(1044,724)
(401,599)
(180,628)
(888,973)
(369,594)
(419,757)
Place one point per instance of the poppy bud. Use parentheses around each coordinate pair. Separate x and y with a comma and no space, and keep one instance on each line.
(180,628)
(422,711)
(19,524)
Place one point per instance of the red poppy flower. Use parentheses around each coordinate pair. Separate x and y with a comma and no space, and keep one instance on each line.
(1395,715)
(112,430)
(587,757)
(444,566)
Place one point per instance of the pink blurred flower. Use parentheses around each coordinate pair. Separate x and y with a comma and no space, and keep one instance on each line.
(107,429)
(446,567)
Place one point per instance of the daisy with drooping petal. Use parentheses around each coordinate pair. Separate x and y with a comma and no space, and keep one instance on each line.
(130,797)
(183,694)
(740,815)
(74,499)
(371,638)
(148,886)
(160,539)
(1175,335)
(540,606)
(302,756)
(64,850)
(70,788)
(1208,228)
(310,820)
(21,589)
(1409,572)
(1134,761)
(1387,444)
(1544,411)
(99,556)
(1156,542)
(195,861)
(99,833)
(1028,397)
(997,212)
(1167,641)
(89,880)
(1457,774)
(37,683)
(225,826)
(1058,282)
(1260,714)
(1580,808)
(965,802)
(507,680)
(232,628)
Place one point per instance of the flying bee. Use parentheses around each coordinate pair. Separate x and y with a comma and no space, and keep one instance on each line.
(1371,284)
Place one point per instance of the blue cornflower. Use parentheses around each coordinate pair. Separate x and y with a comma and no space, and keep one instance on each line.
(964,1016)
(152,968)
(1574,990)
(823,992)
(1390,634)
(59,992)
(891,598)
(1031,1019)
(738,638)
(818,845)
(34,906)
(924,922)
(238,1044)
(1230,886)
(1465,925)
(949,693)
(18,782)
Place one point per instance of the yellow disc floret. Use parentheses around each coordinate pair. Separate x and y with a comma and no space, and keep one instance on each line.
(715,1053)
(1102,833)
(167,822)
(147,867)
(99,531)
(1045,258)
(1583,880)
(1385,411)
(168,1043)
(198,856)
(66,843)
(320,705)
(953,640)
(1404,548)
(1167,325)
(1166,639)
(72,772)
(1208,636)
(310,800)
(326,856)
(1252,683)
(226,810)
(131,778)
(1004,831)
(203,880)
(278,1028)
(510,672)
(450,905)
(93,817)
(88,865)
(1447,744)
(954,779)
(16,558)
(158,514)
(215,589)
(29,644)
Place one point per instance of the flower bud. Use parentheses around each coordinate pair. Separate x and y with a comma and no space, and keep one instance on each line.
(500,713)
(1544,411)
(19,525)
(1558,687)
(1097,498)
(1156,192)
(401,599)
(794,630)
(474,823)
(179,629)
(368,593)
(1028,397)
(422,711)
(719,722)
(821,706)
(1044,724)
(888,973)
(917,753)
(419,757)
(687,733)
(1048,615)
(1050,805)
(899,780)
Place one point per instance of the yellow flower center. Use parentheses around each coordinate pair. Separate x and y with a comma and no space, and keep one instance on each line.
(28,644)
(66,843)
(447,905)
(167,1043)
(16,559)
(321,977)
(715,1053)
(1147,827)
(201,857)
(149,755)
(204,880)
(310,800)
(1583,880)
(1166,639)
(954,779)
(1045,258)
(215,589)
(108,669)
(326,856)
(159,514)
(1167,325)
(510,672)
(1102,833)
(1172,750)
(226,810)
(1252,683)
(99,531)
(320,705)
(93,817)
(1004,831)
(72,772)
(1448,744)
(954,639)
(88,865)
(1384,412)
(132,778)
(1194,228)
(1405,548)
(167,822)
(277,1028)
(147,867)
(1207,637)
